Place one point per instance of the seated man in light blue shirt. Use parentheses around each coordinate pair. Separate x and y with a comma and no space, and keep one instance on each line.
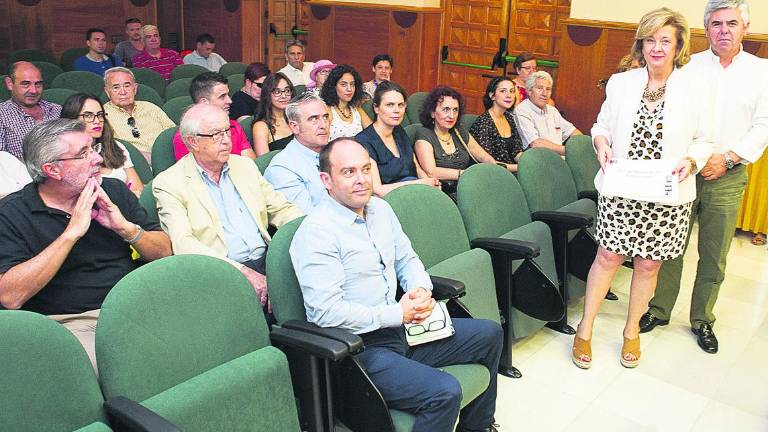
(294,171)
(217,204)
(349,254)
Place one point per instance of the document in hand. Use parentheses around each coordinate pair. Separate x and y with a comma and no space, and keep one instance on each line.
(437,325)
(644,180)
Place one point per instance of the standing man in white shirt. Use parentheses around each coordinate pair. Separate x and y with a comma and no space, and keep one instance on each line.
(203,54)
(740,92)
(297,70)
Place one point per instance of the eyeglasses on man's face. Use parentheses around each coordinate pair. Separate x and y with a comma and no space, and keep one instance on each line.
(85,153)
(134,130)
(217,136)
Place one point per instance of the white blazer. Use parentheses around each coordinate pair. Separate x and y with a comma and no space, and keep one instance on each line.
(687,121)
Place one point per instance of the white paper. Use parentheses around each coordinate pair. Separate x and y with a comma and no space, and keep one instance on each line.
(644,180)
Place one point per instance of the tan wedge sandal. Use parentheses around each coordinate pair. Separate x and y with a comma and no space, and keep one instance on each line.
(631,347)
(582,352)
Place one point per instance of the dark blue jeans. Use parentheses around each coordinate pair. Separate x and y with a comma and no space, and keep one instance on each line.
(409,381)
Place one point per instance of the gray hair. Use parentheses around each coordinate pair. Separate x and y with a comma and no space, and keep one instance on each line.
(294,42)
(292,109)
(531,81)
(148,28)
(189,125)
(43,145)
(714,5)
(118,69)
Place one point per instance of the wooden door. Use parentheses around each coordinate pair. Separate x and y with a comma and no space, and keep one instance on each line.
(281,18)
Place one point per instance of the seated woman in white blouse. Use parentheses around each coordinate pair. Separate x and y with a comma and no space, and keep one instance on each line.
(343,93)
(13,174)
(116,160)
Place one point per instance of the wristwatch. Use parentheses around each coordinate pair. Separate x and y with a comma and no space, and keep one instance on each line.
(729,163)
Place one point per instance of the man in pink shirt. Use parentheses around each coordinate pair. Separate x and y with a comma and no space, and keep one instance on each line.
(160,60)
(211,88)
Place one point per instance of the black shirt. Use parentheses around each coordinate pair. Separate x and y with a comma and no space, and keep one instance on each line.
(242,105)
(392,169)
(94,265)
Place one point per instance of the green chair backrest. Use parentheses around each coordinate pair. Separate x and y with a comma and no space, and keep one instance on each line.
(173,319)
(176,106)
(246,124)
(162,151)
(413,109)
(545,179)
(299,89)
(415,204)
(69,56)
(5,94)
(235,82)
(263,161)
(582,160)
(368,108)
(150,78)
(49,71)
(86,82)
(140,164)
(233,68)
(30,55)
(411,131)
(284,290)
(58,95)
(467,120)
(48,381)
(187,71)
(178,88)
(147,201)
(147,93)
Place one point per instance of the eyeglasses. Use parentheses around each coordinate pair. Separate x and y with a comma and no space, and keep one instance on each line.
(323,71)
(217,136)
(260,85)
(89,117)
(134,130)
(286,91)
(95,148)
(530,68)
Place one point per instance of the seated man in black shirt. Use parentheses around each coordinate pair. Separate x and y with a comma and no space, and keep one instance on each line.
(65,238)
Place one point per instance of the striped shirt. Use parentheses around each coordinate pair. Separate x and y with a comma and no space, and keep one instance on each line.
(163,65)
(149,119)
(15,124)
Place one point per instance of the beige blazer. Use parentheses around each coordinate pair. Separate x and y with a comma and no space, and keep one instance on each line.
(190,218)
(688,120)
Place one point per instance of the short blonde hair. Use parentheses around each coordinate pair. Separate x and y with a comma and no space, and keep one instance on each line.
(652,22)
(148,28)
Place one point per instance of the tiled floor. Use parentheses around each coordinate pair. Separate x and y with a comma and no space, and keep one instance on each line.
(677,386)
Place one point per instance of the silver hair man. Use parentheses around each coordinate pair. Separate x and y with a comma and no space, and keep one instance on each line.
(43,145)
(531,81)
(713,5)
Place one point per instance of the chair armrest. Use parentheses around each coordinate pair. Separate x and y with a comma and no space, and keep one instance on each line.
(127,415)
(353,342)
(567,220)
(309,343)
(444,288)
(518,249)
(589,194)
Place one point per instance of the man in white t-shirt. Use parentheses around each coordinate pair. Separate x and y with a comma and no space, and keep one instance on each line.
(297,70)
(13,174)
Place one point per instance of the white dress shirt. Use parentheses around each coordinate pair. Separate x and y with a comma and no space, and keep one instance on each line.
(534,123)
(13,174)
(740,102)
(298,77)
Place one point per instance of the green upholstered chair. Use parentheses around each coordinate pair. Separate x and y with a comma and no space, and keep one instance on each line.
(69,56)
(185,336)
(49,71)
(178,88)
(582,160)
(175,107)
(30,55)
(140,164)
(58,95)
(368,108)
(413,108)
(492,205)
(299,89)
(411,131)
(263,161)
(147,201)
(162,151)
(187,71)
(359,405)
(246,123)
(467,120)
(48,381)
(86,82)
(235,82)
(5,94)
(233,68)
(150,78)
(552,198)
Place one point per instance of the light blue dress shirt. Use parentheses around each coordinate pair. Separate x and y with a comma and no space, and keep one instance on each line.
(241,233)
(295,173)
(348,266)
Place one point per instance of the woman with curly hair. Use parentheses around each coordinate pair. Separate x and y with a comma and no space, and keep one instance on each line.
(343,93)
(270,126)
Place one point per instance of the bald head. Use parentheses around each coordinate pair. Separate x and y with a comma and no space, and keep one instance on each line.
(345,170)
(204,129)
(25,83)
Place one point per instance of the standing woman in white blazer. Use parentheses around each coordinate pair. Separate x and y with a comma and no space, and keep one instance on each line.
(659,111)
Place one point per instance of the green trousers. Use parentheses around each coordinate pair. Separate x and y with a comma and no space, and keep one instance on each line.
(716,208)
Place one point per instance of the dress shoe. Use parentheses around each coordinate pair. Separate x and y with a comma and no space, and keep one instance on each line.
(648,322)
(706,338)
(611,296)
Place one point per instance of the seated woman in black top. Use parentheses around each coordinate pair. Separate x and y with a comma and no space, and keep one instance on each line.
(495,129)
(444,150)
(270,126)
(245,102)
(389,146)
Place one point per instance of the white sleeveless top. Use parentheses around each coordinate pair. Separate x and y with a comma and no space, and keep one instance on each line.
(340,128)
(119,173)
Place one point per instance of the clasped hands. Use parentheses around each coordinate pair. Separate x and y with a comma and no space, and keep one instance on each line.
(94,204)
(417,305)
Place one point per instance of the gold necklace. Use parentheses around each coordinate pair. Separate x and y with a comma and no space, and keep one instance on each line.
(344,115)
(445,140)
(654,95)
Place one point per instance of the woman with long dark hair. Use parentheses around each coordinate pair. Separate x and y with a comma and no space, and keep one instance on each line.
(270,126)
(343,93)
